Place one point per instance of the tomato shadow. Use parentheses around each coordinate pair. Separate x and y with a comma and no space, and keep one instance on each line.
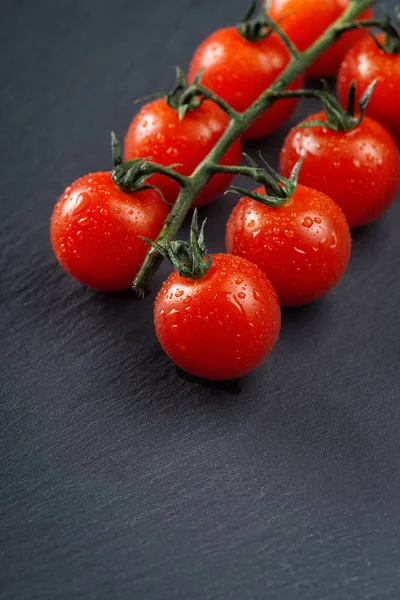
(119,296)
(298,315)
(232,387)
(370,240)
(373,229)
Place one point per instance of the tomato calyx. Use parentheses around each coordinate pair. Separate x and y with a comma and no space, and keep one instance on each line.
(191,258)
(178,99)
(339,119)
(184,98)
(391,43)
(279,190)
(256,28)
(131,175)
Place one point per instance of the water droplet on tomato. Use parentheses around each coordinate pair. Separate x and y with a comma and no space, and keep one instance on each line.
(289,233)
(307,222)
(239,280)
(179,293)
(241,295)
(356,162)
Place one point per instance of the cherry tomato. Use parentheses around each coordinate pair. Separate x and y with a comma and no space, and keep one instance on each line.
(239,70)
(221,326)
(95,227)
(303,246)
(157,132)
(359,168)
(305,20)
(364,63)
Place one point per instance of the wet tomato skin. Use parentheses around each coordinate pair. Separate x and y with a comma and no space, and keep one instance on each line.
(359,169)
(157,133)
(303,247)
(222,326)
(94,231)
(239,71)
(364,63)
(305,20)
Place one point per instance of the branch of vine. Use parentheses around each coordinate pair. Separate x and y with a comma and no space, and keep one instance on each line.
(191,185)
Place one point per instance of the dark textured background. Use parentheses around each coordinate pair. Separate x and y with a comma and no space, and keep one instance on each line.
(120,478)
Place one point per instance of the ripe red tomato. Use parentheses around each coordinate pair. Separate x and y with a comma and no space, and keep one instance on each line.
(156,132)
(221,326)
(239,70)
(305,20)
(95,227)
(303,246)
(364,63)
(359,169)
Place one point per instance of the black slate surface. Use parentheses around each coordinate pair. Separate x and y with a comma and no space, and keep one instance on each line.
(121,478)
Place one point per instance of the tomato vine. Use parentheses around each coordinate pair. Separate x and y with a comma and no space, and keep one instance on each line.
(190,186)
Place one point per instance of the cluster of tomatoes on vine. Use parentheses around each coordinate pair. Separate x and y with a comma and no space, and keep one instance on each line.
(288,242)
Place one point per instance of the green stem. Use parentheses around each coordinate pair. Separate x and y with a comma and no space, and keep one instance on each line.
(150,168)
(392,43)
(238,124)
(131,175)
(292,49)
(231,112)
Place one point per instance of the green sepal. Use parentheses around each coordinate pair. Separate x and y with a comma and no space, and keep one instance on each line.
(316,123)
(254,28)
(391,44)
(339,119)
(181,101)
(271,201)
(276,195)
(149,98)
(191,258)
(116,154)
(131,175)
